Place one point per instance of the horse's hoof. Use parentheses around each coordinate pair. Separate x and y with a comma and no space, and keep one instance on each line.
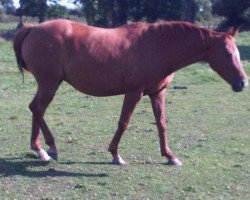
(42,155)
(118,161)
(52,154)
(174,162)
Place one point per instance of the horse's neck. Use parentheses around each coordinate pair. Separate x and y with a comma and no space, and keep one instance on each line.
(197,48)
(183,47)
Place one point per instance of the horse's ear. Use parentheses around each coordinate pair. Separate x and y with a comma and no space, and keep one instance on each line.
(232,31)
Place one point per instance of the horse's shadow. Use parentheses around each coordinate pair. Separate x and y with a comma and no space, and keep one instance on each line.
(20,166)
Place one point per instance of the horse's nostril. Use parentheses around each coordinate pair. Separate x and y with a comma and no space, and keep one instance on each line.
(238,86)
(242,84)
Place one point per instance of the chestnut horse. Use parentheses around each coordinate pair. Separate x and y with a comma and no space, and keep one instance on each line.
(135,60)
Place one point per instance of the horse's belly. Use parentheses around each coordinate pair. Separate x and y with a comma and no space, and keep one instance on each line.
(95,84)
(95,89)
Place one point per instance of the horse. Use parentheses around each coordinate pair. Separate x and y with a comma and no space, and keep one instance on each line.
(133,60)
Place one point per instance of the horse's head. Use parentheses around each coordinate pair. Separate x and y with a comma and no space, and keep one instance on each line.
(224,58)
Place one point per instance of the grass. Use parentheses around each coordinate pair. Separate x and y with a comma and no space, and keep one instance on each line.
(208,128)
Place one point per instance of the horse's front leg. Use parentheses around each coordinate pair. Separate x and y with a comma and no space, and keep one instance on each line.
(129,104)
(158,105)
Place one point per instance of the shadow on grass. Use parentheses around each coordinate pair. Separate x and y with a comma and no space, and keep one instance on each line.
(244,52)
(109,163)
(18,166)
(86,162)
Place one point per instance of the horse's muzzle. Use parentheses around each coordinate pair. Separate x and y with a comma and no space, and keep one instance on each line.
(239,85)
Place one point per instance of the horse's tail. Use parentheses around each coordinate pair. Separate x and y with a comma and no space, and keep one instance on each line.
(17,45)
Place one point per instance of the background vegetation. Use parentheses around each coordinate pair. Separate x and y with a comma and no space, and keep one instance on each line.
(112,13)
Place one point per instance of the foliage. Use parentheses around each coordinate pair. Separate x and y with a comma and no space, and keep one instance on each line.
(110,13)
(7,6)
(42,9)
(236,12)
(57,11)
(204,11)
(33,8)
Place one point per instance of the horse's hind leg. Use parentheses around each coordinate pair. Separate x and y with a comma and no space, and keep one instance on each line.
(129,103)
(35,139)
(158,105)
(38,106)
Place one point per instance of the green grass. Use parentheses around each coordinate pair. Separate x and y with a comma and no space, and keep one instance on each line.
(7,26)
(208,128)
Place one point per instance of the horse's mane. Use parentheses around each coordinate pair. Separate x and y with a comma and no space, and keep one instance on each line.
(184,26)
(182,29)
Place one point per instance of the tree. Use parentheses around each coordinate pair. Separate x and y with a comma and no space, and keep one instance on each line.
(57,11)
(204,12)
(33,8)
(7,6)
(236,12)
(42,9)
(111,13)
(89,10)
(189,10)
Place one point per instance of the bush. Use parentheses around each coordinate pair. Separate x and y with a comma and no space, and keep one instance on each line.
(57,11)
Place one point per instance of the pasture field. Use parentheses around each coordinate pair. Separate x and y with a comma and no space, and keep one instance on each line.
(208,129)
